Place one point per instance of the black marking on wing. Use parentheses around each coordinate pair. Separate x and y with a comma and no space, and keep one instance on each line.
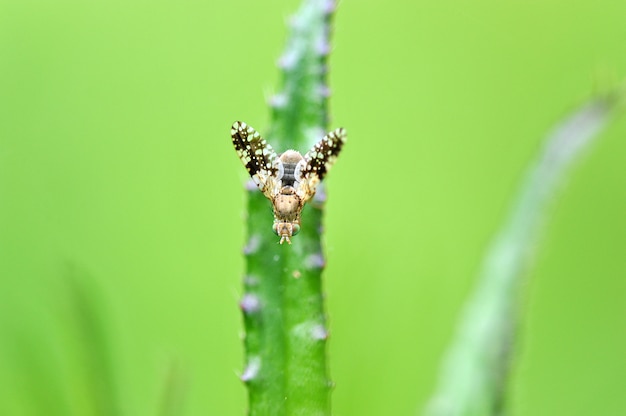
(322,156)
(255,153)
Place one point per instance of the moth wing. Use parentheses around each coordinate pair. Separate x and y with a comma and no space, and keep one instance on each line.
(258,157)
(321,157)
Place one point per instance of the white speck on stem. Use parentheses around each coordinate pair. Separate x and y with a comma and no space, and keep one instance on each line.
(279,100)
(253,244)
(310,330)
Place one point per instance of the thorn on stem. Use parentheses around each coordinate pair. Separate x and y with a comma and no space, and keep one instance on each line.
(251,370)
(278,101)
(250,281)
(322,47)
(288,60)
(251,186)
(253,245)
(330,6)
(323,91)
(250,303)
(319,332)
(315,261)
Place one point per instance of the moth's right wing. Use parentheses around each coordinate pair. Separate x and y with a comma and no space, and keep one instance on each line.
(258,157)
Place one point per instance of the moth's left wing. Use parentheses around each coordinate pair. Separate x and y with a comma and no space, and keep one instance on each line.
(321,157)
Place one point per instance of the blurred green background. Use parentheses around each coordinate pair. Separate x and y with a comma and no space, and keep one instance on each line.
(121,199)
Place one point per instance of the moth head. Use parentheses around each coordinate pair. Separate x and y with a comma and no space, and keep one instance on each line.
(285,230)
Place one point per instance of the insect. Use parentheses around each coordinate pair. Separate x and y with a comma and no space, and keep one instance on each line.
(288,179)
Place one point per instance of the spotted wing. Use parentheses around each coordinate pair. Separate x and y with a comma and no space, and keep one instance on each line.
(319,160)
(258,157)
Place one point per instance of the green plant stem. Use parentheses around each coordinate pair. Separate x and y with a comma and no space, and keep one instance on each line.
(283,309)
(473,378)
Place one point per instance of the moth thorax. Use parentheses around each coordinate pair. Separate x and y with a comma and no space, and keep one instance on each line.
(291,156)
(287,204)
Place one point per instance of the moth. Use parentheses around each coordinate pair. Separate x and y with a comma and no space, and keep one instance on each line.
(288,179)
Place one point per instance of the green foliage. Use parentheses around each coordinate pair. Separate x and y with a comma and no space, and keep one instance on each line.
(477,368)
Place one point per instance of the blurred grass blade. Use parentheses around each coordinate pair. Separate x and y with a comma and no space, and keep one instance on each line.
(174,391)
(93,344)
(34,385)
(57,355)
(474,375)
(282,304)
